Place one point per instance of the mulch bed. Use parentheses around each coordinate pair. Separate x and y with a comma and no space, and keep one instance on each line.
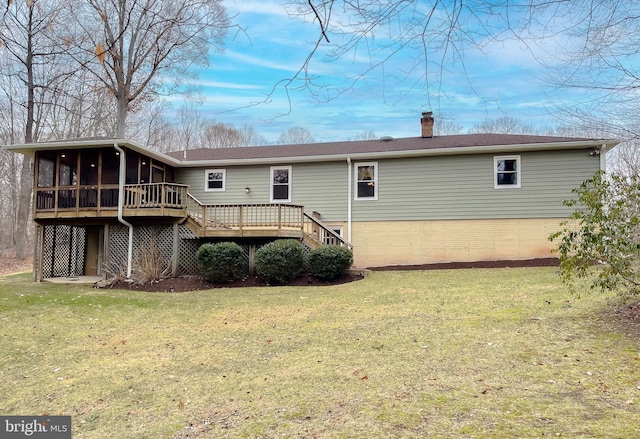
(539,262)
(193,283)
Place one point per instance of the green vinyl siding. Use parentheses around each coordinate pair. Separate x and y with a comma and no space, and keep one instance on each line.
(462,187)
(320,187)
(417,188)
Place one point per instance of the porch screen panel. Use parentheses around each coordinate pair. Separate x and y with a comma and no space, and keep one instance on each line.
(46,169)
(110,166)
(67,179)
(109,178)
(88,196)
(132,163)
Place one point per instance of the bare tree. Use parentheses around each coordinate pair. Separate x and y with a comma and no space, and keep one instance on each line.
(504,125)
(250,137)
(190,127)
(597,64)
(295,135)
(152,127)
(625,159)
(589,48)
(28,62)
(220,135)
(140,49)
(158,127)
(445,125)
(79,108)
(434,34)
(366,135)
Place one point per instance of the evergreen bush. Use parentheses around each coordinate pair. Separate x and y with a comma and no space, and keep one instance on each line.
(221,262)
(280,261)
(329,262)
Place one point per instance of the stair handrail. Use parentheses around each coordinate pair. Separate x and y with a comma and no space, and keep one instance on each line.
(327,230)
(193,205)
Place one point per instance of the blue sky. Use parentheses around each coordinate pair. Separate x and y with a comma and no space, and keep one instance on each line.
(503,80)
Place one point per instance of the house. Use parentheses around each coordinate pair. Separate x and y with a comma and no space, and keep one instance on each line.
(99,204)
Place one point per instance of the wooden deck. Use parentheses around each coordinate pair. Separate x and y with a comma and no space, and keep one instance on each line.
(258,220)
(169,201)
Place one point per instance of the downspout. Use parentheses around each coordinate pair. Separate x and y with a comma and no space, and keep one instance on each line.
(350,173)
(121,181)
(603,158)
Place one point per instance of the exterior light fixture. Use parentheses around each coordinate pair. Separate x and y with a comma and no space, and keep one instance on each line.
(247,190)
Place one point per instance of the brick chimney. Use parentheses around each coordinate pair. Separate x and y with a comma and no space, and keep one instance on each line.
(427,124)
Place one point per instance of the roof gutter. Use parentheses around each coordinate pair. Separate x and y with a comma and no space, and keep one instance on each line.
(121,181)
(350,198)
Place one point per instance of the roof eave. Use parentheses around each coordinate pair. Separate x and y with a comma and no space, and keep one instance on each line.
(29,149)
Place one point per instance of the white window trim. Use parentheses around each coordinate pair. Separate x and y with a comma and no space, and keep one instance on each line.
(518,172)
(375,181)
(290,184)
(206,180)
(339,230)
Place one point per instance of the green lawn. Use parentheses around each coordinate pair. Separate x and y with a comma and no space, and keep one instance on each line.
(500,353)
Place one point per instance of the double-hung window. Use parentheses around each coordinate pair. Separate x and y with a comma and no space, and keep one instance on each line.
(215,180)
(507,172)
(280,184)
(366,181)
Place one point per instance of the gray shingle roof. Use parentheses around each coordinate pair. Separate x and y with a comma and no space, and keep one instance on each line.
(368,146)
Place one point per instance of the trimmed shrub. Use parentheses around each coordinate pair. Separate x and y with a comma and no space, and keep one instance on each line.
(280,261)
(329,262)
(221,262)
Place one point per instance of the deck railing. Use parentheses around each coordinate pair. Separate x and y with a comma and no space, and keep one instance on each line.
(105,197)
(322,233)
(248,217)
(245,216)
(150,195)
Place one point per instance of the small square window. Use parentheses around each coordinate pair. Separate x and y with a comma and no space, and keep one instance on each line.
(215,180)
(507,172)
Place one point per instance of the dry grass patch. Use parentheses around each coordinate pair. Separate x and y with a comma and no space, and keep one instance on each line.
(496,353)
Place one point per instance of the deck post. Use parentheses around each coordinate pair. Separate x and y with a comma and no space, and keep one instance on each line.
(279,218)
(175,250)
(204,220)
(37,272)
(252,259)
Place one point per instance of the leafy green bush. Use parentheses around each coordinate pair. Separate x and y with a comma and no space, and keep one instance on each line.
(221,262)
(329,262)
(280,261)
(600,242)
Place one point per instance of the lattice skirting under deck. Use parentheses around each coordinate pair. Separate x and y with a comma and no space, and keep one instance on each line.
(64,247)
(63,251)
